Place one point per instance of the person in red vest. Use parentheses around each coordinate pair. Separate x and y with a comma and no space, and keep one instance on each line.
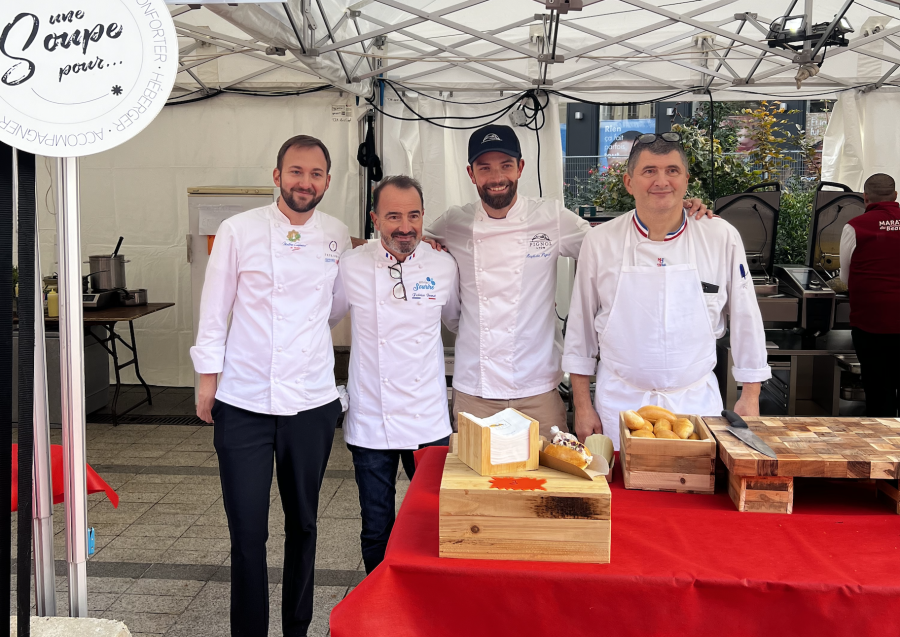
(870,247)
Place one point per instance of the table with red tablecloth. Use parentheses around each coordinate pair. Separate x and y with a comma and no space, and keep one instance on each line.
(681,564)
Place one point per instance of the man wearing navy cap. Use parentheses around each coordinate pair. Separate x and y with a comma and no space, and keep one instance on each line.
(509,347)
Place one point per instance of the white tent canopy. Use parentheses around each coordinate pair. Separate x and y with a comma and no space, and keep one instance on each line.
(615,50)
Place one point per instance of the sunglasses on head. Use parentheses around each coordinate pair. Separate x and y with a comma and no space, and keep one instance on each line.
(649,138)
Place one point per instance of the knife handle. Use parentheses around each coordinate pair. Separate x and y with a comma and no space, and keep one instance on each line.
(734,419)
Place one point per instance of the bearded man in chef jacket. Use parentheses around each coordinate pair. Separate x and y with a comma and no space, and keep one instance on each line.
(507,247)
(397,291)
(652,293)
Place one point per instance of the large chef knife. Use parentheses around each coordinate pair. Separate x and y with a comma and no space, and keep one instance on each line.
(739,428)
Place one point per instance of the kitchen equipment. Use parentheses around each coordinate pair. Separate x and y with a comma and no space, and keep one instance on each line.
(132,297)
(118,245)
(816,299)
(831,212)
(107,272)
(754,213)
(854,448)
(739,428)
(99,300)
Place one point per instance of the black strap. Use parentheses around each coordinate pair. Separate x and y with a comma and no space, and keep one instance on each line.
(26,305)
(6,364)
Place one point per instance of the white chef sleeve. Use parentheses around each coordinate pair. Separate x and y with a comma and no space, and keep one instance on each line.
(339,303)
(848,245)
(216,302)
(451,310)
(748,338)
(582,340)
(572,229)
(437,230)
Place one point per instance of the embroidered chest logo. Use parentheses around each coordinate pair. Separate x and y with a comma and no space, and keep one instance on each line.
(661,262)
(292,241)
(425,289)
(539,246)
(331,255)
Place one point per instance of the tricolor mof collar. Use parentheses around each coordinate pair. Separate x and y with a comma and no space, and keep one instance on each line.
(390,257)
(645,232)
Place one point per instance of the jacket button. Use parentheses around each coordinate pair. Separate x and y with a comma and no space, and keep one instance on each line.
(297,382)
(319,287)
(517,271)
(417,416)
(277,381)
(280,349)
(280,317)
(418,379)
(277,255)
(420,302)
(382,341)
(477,240)
(280,288)
(380,265)
(318,256)
(380,302)
(484,298)
(385,381)
(418,340)
(304,351)
(311,318)
(388,417)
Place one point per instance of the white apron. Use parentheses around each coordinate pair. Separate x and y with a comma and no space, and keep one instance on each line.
(658,347)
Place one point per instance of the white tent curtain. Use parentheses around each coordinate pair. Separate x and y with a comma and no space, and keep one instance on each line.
(139,191)
(863,138)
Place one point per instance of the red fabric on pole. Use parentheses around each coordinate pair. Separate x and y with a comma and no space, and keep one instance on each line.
(95,483)
(681,564)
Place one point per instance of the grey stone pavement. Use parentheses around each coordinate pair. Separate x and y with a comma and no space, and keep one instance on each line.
(162,558)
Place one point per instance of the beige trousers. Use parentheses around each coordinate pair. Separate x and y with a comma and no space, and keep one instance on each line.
(548,409)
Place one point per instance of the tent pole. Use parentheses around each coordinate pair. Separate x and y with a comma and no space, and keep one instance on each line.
(71,358)
(42,518)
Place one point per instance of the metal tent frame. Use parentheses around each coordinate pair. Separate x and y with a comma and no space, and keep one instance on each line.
(707,48)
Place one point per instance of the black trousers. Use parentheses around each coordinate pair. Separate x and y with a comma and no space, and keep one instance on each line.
(248,444)
(376,476)
(878,359)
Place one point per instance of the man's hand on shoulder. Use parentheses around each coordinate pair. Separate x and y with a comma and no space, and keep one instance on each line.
(697,209)
(437,245)
(357,243)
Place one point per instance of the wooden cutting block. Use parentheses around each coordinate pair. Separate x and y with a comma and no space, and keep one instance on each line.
(565,519)
(806,447)
(474,448)
(683,466)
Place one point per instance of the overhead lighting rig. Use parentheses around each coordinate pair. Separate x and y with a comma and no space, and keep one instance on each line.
(789,32)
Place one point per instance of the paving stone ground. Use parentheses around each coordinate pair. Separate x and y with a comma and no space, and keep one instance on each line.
(162,558)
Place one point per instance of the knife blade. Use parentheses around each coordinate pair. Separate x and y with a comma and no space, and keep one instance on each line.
(739,428)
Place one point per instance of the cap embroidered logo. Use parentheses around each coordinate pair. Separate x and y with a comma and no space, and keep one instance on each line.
(491,137)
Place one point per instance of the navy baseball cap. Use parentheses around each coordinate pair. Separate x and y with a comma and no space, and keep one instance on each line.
(494,137)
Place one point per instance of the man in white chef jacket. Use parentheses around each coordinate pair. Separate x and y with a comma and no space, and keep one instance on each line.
(652,293)
(507,247)
(398,291)
(273,270)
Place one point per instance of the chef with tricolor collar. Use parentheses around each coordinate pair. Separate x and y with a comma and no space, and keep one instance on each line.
(654,290)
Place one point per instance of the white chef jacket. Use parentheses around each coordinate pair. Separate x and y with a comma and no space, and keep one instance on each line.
(276,280)
(721,261)
(397,388)
(509,342)
(848,245)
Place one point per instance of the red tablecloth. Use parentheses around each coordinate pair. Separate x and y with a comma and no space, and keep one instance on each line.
(95,483)
(680,565)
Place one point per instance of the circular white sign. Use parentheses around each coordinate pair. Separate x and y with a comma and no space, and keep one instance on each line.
(78,77)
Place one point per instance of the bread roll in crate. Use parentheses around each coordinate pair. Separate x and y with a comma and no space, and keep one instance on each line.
(679,456)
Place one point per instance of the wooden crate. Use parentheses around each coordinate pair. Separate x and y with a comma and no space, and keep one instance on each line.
(683,466)
(474,448)
(808,447)
(569,521)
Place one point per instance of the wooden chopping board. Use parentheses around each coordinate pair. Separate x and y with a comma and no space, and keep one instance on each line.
(814,447)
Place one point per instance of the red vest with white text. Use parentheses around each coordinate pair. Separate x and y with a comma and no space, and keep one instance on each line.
(875,270)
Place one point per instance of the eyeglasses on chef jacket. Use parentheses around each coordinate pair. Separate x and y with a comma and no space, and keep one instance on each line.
(396,271)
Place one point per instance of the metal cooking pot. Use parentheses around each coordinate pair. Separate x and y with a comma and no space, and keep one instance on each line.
(107,272)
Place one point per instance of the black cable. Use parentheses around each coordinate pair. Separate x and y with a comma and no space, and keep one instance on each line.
(26,306)
(6,365)
(712,154)
(438,99)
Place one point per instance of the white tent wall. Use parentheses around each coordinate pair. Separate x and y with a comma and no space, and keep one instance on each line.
(139,191)
(863,138)
(437,156)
